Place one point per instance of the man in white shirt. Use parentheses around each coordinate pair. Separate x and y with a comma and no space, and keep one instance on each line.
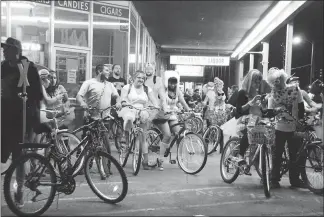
(97,93)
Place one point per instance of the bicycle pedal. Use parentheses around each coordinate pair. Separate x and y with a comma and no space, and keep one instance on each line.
(173,161)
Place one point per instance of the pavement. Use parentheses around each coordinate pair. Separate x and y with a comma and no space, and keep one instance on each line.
(173,193)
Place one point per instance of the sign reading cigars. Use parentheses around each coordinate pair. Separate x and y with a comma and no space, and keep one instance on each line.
(76,5)
(200,60)
(110,10)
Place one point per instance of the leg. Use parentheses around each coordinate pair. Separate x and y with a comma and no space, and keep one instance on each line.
(143,143)
(165,129)
(277,151)
(244,144)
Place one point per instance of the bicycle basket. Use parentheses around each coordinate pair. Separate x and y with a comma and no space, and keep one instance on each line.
(218,118)
(261,134)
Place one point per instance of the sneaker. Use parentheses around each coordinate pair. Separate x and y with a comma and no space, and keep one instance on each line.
(275,185)
(160,165)
(18,196)
(145,165)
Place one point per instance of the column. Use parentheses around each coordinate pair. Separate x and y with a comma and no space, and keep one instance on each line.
(289,40)
(251,61)
(239,72)
(265,59)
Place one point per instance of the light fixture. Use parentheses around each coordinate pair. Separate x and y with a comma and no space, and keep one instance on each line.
(23,5)
(297,40)
(31,46)
(276,16)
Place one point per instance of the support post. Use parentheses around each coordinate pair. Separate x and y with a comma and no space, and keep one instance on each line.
(265,59)
(239,72)
(289,41)
(251,61)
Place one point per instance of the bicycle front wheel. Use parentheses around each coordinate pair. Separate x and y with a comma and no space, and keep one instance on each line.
(137,153)
(113,184)
(265,165)
(212,138)
(191,153)
(27,173)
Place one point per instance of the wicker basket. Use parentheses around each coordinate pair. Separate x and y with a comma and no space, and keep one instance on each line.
(218,118)
(261,134)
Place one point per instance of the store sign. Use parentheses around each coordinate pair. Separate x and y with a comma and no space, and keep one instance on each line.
(123,26)
(200,60)
(110,10)
(45,2)
(76,5)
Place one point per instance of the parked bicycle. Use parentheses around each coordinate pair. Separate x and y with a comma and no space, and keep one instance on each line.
(29,175)
(187,142)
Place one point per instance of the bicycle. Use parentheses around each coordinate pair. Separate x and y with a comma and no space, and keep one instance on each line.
(184,140)
(65,183)
(135,149)
(262,136)
(310,151)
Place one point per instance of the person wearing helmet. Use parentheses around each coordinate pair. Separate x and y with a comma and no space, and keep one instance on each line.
(173,95)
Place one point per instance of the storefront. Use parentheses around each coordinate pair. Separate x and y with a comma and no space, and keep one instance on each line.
(72,37)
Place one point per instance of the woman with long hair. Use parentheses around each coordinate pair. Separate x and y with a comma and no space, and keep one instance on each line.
(248,107)
(137,95)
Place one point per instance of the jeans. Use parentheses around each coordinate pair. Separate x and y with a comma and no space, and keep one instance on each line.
(277,151)
(244,143)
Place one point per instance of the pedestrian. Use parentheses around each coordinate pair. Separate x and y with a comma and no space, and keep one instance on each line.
(12,105)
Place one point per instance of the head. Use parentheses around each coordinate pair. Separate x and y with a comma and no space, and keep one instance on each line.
(190,92)
(103,70)
(234,88)
(12,49)
(219,85)
(53,78)
(44,76)
(139,78)
(149,69)
(116,69)
(277,78)
(252,81)
(197,91)
(171,79)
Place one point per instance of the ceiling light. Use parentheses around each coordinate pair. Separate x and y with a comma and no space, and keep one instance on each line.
(199,33)
(202,18)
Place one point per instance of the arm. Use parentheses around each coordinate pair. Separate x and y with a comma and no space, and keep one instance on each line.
(162,94)
(115,94)
(80,96)
(152,98)
(123,95)
(301,108)
(240,106)
(182,101)
(65,95)
(48,99)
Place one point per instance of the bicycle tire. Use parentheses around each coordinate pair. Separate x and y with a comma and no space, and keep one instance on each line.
(124,162)
(237,171)
(7,179)
(265,165)
(156,136)
(200,124)
(115,130)
(137,164)
(318,191)
(215,144)
(112,160)
(204,150)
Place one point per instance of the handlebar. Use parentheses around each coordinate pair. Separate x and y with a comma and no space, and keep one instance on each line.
(142,109)
(102,111)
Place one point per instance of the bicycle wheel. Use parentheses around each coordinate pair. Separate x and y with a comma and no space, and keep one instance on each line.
(193,145)
(30,169)
(137,153)
(153,138)
(228,166)
(191,125)
(211,138)
(114,175)
(265,165)
(200,124)
(116,128)
(124,152)
(312,171)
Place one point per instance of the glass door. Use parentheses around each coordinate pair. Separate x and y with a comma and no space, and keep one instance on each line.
(72,68)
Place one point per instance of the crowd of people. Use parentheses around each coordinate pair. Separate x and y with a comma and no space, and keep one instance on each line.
(146,88)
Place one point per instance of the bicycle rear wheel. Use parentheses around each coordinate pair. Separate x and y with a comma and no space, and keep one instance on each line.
(313,169)
(28,173)
(265,165)
(137,153)
(114,176)
(153,138)
(200,124)
(211,138)
(194,146)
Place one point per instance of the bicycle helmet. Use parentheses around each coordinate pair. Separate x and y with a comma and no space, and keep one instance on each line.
(172,76)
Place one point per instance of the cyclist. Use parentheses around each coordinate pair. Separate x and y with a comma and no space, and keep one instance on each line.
(138,95)
(164,120)
(288,97)
(248,107)
(97,93)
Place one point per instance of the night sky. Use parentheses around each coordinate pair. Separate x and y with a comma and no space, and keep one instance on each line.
(308,24)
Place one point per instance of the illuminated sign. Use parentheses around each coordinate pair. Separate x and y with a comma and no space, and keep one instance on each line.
(200,60)
(110,10)
(184,70)
(76,5)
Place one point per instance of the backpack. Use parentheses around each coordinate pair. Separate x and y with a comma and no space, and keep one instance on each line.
(154,79)
(145,89)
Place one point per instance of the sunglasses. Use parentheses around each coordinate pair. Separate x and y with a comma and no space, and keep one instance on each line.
(221,94)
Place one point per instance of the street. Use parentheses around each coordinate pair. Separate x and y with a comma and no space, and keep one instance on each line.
(172,192)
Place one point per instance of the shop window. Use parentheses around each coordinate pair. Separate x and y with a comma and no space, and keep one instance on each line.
(30,25)
(71,28)
(3,25)
(110,37)
(140,55)
(132,50)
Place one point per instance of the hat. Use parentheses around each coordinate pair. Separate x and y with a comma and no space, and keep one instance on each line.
(150,65)
(219,85)
(43,73)
(12,42)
